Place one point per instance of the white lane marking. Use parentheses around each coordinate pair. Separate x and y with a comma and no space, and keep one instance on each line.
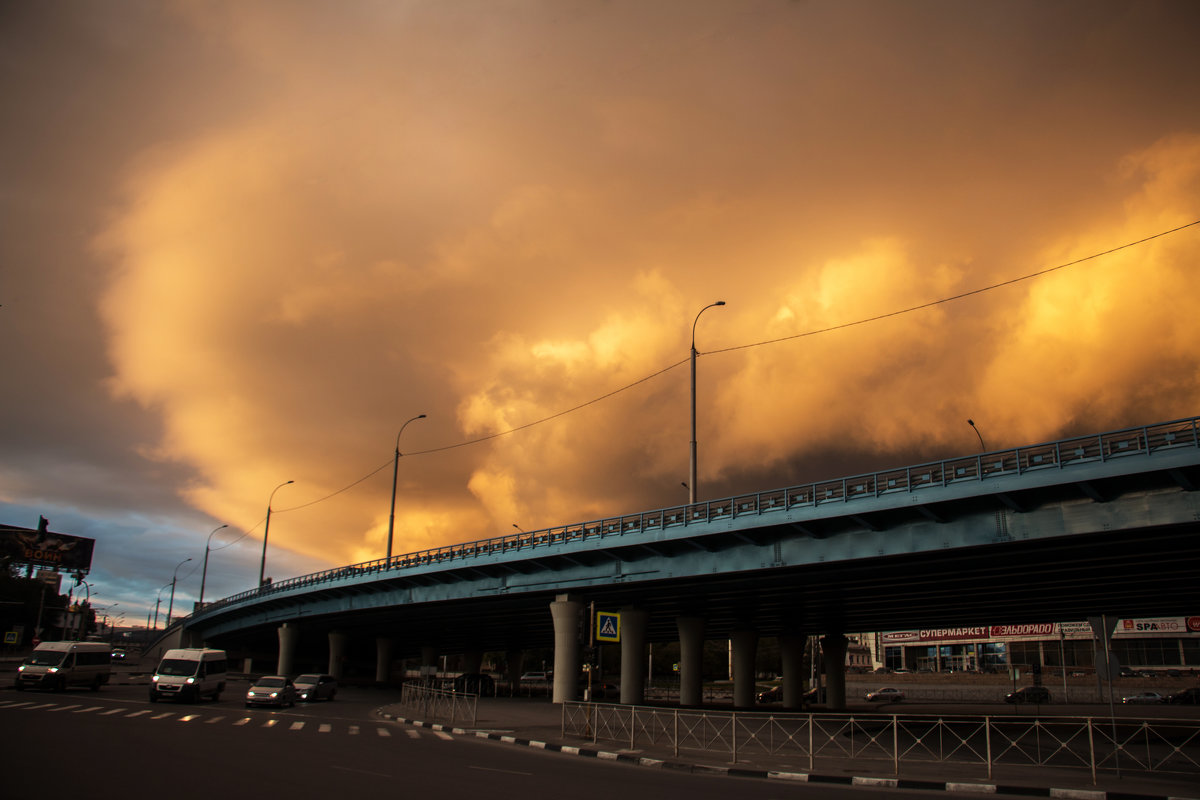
(491,769)
(362,772)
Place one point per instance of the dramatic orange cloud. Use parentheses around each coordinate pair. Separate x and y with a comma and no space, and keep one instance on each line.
(339,217)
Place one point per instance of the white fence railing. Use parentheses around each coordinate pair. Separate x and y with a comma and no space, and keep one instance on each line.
(439,704)
(1085,743)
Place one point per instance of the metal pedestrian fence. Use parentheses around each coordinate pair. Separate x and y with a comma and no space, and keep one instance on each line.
(439,704)
(1095,744)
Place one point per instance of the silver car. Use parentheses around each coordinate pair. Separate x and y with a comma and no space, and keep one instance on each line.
(313,686)
(272,690)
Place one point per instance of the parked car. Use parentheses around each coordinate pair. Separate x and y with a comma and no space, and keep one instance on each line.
(814,695)
(1029,694)
(117,654)
(272,690)
(772,695)
(475,683)
(312,686)
(887,694)
(535,677)
(1187,697)
(1143,698)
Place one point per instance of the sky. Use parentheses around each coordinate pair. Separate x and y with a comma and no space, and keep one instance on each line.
(243,243)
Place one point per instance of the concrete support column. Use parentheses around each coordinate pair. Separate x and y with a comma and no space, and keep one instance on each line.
(633,655)
(834,646)
(691,660)
(472,661)
(428,658)
(745,645)
(288,635)
(383,659)
(516,665)
(337,653)
(566,613)
(791,651)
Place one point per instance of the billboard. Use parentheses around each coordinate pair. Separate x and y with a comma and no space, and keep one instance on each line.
(44,548)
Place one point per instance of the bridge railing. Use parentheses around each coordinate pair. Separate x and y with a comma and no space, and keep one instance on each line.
(1063,454)
(989,742)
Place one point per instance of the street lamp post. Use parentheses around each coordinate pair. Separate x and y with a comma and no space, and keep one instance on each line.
(174,576)
(692,470)
(395,473)
(204,572)
(262,569)
(157,603)
(982,446)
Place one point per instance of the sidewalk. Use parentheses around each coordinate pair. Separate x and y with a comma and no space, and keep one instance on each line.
(538,723)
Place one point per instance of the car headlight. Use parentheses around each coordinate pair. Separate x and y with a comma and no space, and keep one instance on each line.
(21,668)
(52,670)
(154,679)
(191,680)
(274,694)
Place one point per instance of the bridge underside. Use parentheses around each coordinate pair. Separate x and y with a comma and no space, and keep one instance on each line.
(1156,571)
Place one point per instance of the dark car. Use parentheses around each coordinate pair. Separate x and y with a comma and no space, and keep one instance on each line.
(475,683)
(772,695)
(1029,694)
(272,690)
(313,686)
(1187,697)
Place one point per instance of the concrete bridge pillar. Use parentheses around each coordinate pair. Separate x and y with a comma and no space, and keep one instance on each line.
(383,659)
(337,653)
(515,661)
(791,651)
(691,660)
(633,655)
(745,646)
(428,658)
(288,636)
(567,613)
(834,646)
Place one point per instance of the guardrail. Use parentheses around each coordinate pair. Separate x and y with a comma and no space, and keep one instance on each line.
(1062,454)
(1094,744)
(439,704)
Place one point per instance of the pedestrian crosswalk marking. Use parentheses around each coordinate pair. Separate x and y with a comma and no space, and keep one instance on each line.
(66,708)
(163,715)
(325,728)
(213,720)
(112,711)
(296,726)
(383,731)
(138,713)
(271,723)
(86,710)
(189,717)
(443,736)
(412,734)
(242,721)
(353,730)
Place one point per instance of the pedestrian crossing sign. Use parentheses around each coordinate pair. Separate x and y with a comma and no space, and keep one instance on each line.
(608,626)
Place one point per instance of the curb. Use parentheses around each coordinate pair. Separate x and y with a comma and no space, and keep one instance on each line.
(796,777)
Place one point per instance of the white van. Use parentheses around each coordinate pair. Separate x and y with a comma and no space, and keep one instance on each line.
(57,665)
(189,675)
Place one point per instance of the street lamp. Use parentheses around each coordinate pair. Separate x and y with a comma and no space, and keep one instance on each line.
(204,572)
(395,472)
(174,575)
(157,603)
(982,446)
(87,604)
(262,569)
(692,471)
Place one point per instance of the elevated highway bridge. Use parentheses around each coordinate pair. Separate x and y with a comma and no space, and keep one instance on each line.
(1063,530)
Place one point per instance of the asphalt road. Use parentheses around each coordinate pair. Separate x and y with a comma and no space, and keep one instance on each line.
(116,744)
